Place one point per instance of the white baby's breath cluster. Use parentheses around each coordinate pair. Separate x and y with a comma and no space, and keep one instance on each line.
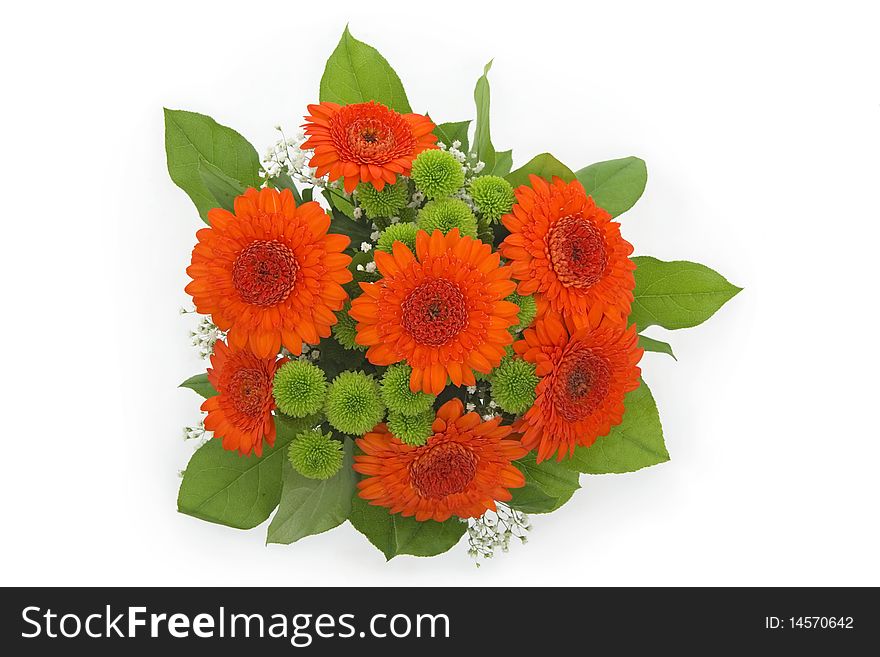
(309,353)
(198,433)
(471,166)
(287,156)
(494,530)
(204,335)
(478,399)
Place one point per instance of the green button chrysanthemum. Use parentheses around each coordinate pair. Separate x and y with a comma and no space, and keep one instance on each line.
(445,214)
(513,385)
(397,395)
(493,196)
(315,455)
(385,203)
(354,405)
(411,429)
(344,330)
(299,388)
(527,309)
(405,233)
(437,173)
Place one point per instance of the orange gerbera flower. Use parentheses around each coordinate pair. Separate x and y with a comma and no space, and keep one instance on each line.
(461,471)
(585,373)
(442,310)
(241,411)
(365,142)
(568,252)
(270,273)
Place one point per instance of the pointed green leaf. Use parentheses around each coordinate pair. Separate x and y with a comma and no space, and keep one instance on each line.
(393,534)
(450,132)
(357,73)
(192,138)
(312,506)
(223,188)
(503,163)
(677,294)
(635,443)
(549,485)
(650,344)
(615,185)
(200,384)
(482,145)
(237,491)
(544,166)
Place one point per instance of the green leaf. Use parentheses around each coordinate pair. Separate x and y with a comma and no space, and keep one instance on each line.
(544,166)
(677,294)
(503,163)
(312,506)
(635,443)
(450,132)
(192,138)
(339,201)
(223,188)
(482,145)
(237,491)
(200,384)
(650,344)
(395,535)
(615,185)
(335,358)
(549,485)
(357,73)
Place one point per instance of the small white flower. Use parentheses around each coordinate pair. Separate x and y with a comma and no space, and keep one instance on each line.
(366,247)
(472,389)
(375,235)
(370,267)
(360,268)
(358,213)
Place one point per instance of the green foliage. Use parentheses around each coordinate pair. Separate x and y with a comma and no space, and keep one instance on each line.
(503,163)
(357,73)
(335,358)
(223,188)
(615,185)
(223,487)
(402,232)
(444,214)
(397,395)
(200,384)
(482,145)
(299,388)
(354,405)
(650,344)
(312,506)
(493,196)
(544,166)
(635,443)
(315,454)
(342,208)
(450,132)
(549,485)
(394,535)
(528,309)
(411,429)
(677,294)
(513,385)
(385,202)
(190,140)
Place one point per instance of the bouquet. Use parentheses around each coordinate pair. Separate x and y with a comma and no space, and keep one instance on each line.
(408,334)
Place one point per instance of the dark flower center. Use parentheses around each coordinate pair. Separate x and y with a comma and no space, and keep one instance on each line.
(577,251)
(435,312)
(264,273)
(443,470)
(582,382)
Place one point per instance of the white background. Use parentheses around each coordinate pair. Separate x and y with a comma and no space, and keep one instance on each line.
(760,124)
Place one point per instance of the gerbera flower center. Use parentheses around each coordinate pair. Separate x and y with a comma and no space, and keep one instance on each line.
(577,251)
(264,273)
(435,312)
(249,389)
(370,139)
(443,470)
(582,382)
